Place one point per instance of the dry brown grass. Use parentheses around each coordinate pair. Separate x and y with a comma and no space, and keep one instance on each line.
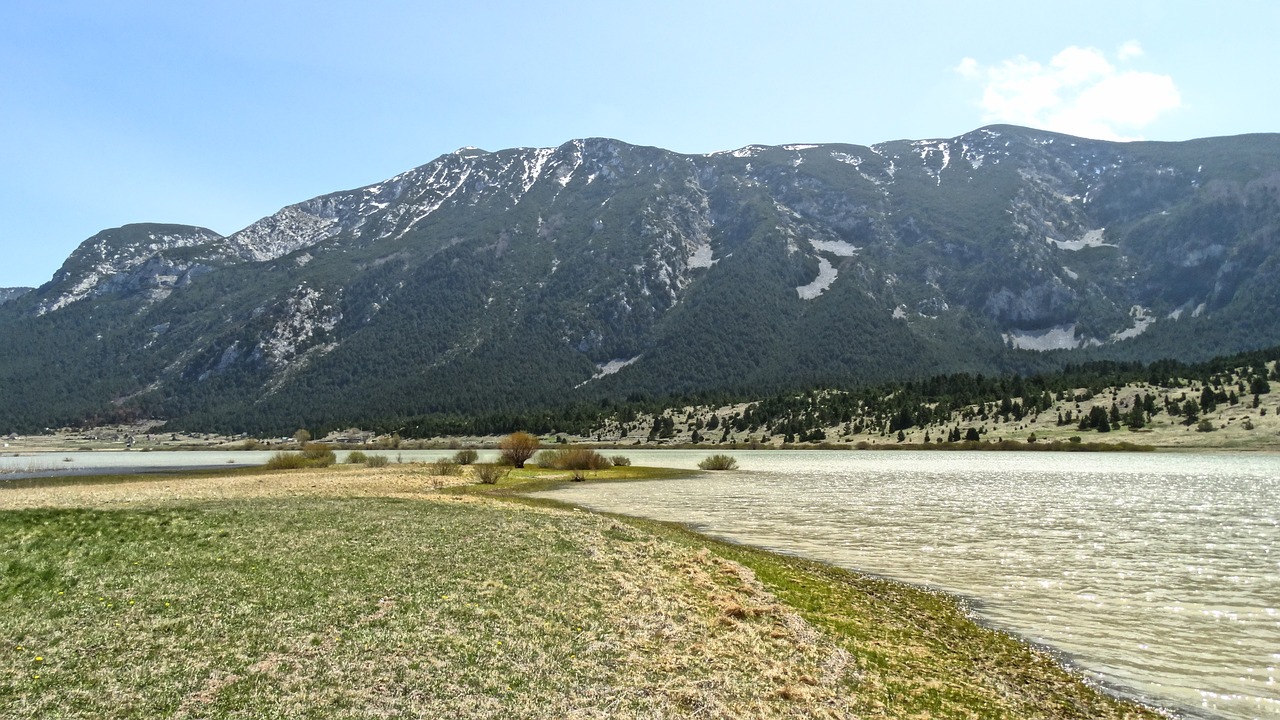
(400,480)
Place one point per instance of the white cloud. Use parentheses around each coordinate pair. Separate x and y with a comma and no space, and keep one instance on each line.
(1129,51)
(1079,92)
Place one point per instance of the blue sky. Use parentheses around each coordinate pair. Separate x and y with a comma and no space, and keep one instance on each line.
(217,114)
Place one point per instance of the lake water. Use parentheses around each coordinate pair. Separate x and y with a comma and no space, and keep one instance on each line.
(112,462)
(1157,575)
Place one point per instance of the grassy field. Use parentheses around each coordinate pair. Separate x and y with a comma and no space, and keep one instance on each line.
(354,593)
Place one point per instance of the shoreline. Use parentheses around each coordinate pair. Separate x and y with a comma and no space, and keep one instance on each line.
(968,606)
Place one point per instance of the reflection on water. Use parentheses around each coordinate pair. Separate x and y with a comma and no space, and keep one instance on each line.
(1159,574)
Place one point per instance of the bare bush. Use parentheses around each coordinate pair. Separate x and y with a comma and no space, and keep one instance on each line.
(719,462)
(444,466)
(491,473)
(517,448)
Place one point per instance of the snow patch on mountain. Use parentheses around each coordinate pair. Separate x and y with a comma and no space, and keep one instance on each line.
(747,151)
(1059,337)
(1091,239)
(565,173)
(839,248)
(927,149)
(533,166)
(846,158)
(702,256)
(1142,319)
(826,275)
(609,368)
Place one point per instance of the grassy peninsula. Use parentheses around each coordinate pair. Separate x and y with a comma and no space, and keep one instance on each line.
(354,592)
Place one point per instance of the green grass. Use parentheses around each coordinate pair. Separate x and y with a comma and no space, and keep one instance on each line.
(481,602)
(357,608)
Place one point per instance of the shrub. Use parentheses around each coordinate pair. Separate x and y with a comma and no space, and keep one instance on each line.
(573,458)
(517,448)
(377,461)
(286,461)
(356,457)
(546,458)
(1205,425)
(620,461)
(719,462)
(313,455)
(445,466)
(491,473)
(466,456)
(318,455)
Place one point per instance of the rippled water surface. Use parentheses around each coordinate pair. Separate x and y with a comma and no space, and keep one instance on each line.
(1156,574)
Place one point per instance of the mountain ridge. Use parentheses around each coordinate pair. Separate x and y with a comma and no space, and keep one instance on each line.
(514,279)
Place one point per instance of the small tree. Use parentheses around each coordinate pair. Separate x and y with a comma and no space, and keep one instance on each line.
(302,437)
(517,448)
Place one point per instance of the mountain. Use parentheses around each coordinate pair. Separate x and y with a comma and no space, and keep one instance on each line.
(7,294)
(507,282)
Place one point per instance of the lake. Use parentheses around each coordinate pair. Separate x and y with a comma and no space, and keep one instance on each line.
(115,462)
(1157,575)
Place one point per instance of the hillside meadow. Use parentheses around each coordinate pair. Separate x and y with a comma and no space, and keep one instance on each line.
(352,592)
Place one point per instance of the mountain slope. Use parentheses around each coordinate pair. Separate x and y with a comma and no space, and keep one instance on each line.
(7,294)
(502,282)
